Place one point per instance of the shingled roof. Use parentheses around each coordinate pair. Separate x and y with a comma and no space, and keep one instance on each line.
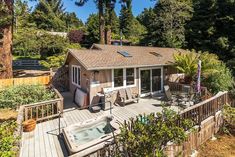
(107,56)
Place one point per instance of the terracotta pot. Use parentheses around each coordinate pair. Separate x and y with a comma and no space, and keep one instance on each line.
(29,125)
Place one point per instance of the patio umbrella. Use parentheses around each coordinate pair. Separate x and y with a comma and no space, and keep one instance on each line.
(199,76)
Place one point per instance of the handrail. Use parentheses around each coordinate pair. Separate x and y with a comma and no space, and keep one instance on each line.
(45,109)
(41,103)
(203,102)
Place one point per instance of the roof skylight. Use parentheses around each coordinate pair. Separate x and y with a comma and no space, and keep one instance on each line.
(155,54)
(125,53)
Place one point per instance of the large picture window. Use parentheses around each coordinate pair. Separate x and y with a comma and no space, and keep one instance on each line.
(123,77)
(118,77)
(130,76)
(76,75)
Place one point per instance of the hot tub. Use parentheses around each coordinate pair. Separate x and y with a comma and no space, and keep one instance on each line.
(82,136)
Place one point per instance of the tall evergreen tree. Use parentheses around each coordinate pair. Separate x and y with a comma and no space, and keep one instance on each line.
(72,22)
(105,8)
(126,18)
(6,17)
(92,27)
(146,18)
(115,23)
(49,14)
(170,21)
(201,29)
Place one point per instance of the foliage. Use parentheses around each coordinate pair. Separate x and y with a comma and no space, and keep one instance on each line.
(48,15)
(92,27)
(115,23)
(40,42)
(126,18)
(53,61)
(168,24)
(229,119)
(22,15)
(219,81)
(149,135)
(131,28)
(146,18)
(76,36)
(186,63)
(215,75)
(212,28)
(7,140)
(15,96)
(72,22)
(5,14)
(22,45)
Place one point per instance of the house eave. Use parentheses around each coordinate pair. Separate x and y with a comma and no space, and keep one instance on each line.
(132,66)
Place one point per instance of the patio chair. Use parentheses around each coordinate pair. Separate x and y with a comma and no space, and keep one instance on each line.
(132,97)
(126,96)
(169,98)
(187,102)
(121,97)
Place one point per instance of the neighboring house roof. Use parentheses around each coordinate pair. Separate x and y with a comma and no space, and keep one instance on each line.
(109,57)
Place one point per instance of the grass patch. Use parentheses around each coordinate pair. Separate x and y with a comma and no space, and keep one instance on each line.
(7,114)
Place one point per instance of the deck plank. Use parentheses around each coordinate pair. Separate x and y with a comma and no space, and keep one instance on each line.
(46,142)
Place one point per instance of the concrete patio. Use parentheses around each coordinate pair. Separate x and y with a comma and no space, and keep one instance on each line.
(45,141)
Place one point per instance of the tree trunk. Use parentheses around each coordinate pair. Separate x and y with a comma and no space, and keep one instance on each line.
(108,20)
(6,49)
(101,21)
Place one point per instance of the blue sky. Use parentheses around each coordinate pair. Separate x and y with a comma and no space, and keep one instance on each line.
(90,7)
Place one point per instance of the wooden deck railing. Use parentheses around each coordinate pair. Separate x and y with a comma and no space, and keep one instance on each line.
(44,110)
(197,113)
(43,80)
(205,94)
(205,109)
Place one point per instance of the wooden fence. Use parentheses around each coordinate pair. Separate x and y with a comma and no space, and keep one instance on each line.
(43,80)
(198,113)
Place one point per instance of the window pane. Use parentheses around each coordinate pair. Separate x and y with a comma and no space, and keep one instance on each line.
(76,75)
(118,77)
(156,80)
(79,76)
(130,76)
(73,74)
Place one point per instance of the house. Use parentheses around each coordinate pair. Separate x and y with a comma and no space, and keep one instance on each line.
(143,69)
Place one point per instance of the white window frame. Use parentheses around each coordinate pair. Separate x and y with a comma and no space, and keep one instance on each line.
(124,79)
(78,74)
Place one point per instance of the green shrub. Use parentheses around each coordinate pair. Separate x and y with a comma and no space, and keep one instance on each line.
(15,96)
(7,140)
(53,61)
(149,135)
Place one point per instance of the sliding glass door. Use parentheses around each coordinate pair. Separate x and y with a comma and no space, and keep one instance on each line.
(145,82)
(156,80)
(150,81)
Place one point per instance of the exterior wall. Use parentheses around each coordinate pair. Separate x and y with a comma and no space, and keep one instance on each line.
(85,77)
(105,81)
(93,82)
(171,74)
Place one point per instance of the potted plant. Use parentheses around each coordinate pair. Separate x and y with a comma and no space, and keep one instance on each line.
(29,125)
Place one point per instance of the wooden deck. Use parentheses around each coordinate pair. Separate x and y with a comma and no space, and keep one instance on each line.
(45,140)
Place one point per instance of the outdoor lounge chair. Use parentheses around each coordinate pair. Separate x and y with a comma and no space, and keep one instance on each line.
(187,102)
(170,100)
(125,96)
(132,97)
